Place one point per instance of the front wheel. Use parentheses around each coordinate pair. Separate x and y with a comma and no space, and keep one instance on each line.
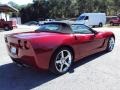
(111,24)
(61,61)
(111,43)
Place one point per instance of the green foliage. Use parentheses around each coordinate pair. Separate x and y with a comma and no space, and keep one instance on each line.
(67,8)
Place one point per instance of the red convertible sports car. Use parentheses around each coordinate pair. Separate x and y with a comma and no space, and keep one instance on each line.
(56,45)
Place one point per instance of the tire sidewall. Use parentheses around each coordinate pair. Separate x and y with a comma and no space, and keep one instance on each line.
(6,28)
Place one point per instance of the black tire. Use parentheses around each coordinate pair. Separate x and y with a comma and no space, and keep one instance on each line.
(6,28)
(11,28)
(100,25)
(110,46)
(111,24)
(53,67)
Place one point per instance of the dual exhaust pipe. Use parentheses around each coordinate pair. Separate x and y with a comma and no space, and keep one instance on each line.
(21,64)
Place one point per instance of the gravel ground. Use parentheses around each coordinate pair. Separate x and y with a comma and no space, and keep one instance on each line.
(97,72)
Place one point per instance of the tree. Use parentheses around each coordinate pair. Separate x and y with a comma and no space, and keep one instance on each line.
(67,8)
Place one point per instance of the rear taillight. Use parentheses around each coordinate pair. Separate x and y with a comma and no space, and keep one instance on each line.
(26,45)
(20,43)
(23,44)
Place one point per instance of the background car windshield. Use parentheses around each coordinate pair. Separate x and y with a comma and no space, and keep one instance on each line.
(81,18)
(49,27)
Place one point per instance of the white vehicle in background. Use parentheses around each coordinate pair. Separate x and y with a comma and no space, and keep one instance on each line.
(92,19)
(41,22)
(49,20)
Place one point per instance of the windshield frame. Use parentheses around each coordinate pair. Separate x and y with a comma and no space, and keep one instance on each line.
(81,17)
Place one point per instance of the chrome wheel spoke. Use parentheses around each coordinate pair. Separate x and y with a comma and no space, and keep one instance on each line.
(58,62)
(68,56)
(61,67)
(67,64)
(63,61)
(65,68)
(111,44)
(62,54)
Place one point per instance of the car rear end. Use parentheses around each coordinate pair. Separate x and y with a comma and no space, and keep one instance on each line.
(20,50)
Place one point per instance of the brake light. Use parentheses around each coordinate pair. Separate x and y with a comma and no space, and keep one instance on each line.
(20,43)
(26,45)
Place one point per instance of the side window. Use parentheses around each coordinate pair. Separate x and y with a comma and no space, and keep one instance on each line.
(82,29)
(86,18)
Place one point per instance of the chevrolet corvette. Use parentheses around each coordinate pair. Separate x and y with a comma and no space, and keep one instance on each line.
(55,46)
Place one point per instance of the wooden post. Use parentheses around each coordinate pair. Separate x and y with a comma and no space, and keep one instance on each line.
(0,15)
(6,16)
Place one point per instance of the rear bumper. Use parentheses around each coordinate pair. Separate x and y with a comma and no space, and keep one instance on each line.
(31,57)
(23,56)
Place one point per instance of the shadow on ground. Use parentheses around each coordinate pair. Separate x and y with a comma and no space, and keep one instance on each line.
(16,78)
(86,60)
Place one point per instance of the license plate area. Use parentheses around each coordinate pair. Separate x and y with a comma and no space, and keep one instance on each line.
(13,50)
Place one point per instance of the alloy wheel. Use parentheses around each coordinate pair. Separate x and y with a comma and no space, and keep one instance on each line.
(111,43)
(63,61)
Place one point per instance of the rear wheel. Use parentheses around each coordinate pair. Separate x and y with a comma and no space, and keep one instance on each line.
(11,28)
(111,24)
(100,25)
(6,28)
(111,43)
(61,61)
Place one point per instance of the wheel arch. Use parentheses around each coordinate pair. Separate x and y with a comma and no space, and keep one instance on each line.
(6,25)
(62,46)
(113,36)
(67,46)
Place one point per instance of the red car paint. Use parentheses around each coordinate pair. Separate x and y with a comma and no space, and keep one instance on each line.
(41,45)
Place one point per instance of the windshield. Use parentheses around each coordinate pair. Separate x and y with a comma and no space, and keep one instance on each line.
(49,27)
(81,18)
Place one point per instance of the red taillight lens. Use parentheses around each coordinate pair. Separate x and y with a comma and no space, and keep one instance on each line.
(20,43)
(26,45)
